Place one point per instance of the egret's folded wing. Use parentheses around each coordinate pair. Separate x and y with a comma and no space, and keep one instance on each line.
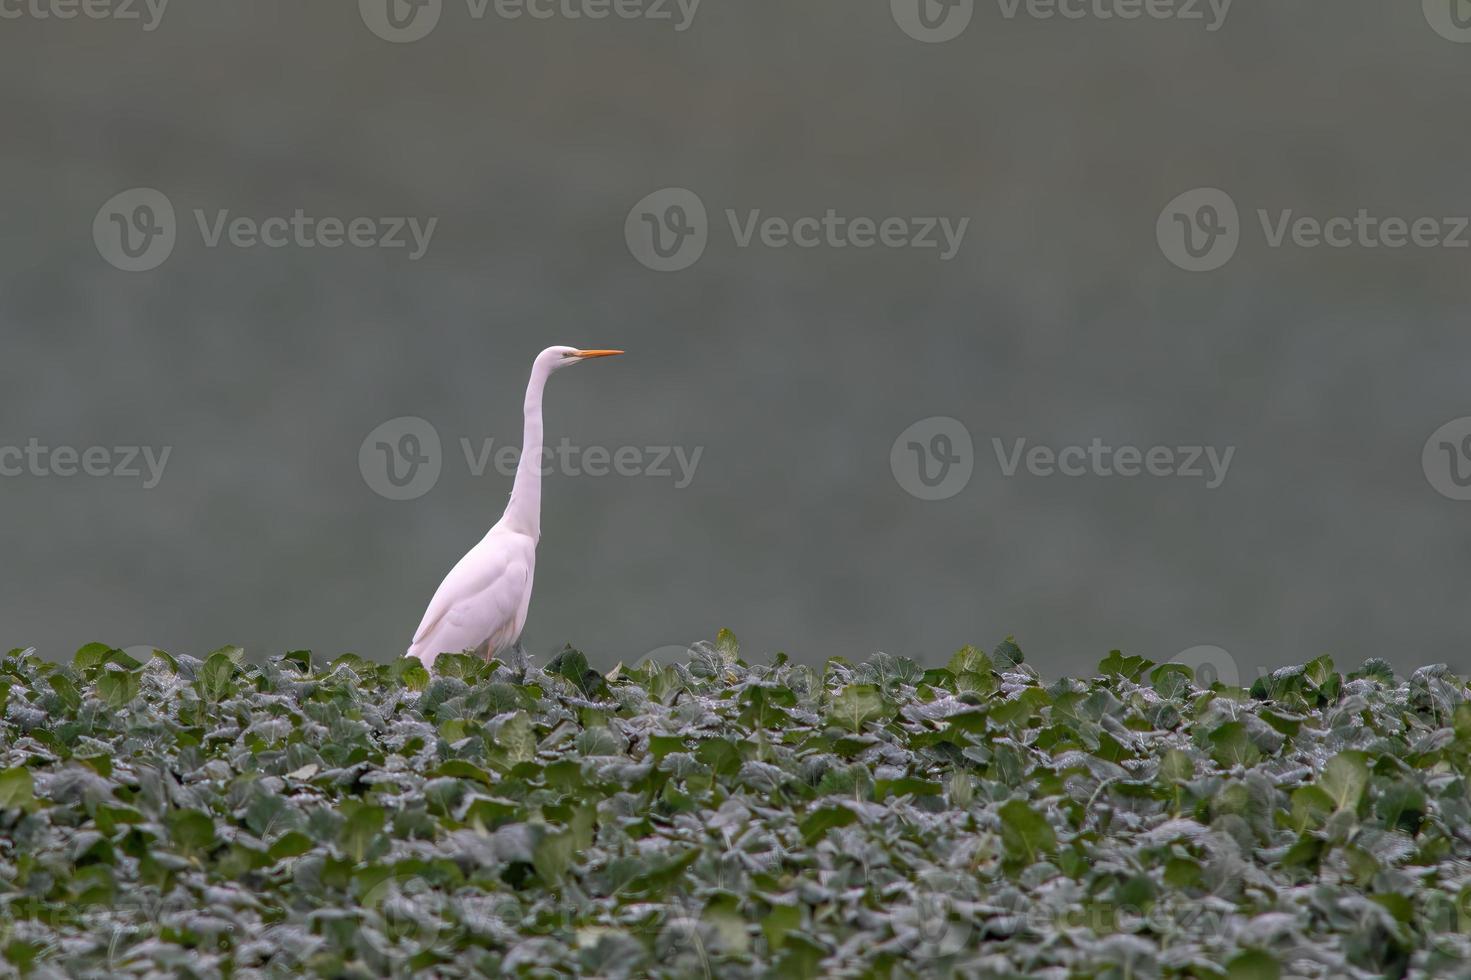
(485,587)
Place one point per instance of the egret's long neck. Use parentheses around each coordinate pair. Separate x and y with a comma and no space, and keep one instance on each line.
(523,513)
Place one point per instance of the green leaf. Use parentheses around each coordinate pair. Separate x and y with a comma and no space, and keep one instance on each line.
(91,655)
(1175,766)
(571,665)
(1231,746)
(193,831)
(290,844)
(118,688)
(552,856)
(460,769)
(1007,654)
(301,660)
(17,789)
(410,673)
(969,660)
(1025,834)
(1253,965)
(515,741)
(778,921)
(216,677)
(857,705)
(1118,665)
(825,818)
(1345,778)
(67,691)
(360,830)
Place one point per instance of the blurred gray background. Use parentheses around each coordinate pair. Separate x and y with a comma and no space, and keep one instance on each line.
(794,370)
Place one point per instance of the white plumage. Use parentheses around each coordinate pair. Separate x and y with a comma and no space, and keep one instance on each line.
(481,604)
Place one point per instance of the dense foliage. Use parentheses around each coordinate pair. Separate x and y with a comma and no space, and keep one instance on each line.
(212,817)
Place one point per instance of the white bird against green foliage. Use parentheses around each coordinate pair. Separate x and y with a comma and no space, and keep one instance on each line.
(481,604)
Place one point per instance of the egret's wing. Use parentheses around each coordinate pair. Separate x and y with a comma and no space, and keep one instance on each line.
(478,597)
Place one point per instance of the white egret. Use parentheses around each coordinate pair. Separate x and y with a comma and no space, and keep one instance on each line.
(481,604)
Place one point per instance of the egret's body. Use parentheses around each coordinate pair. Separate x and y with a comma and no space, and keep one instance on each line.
(482,603)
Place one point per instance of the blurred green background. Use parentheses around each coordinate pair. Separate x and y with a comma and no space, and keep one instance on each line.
(794,370)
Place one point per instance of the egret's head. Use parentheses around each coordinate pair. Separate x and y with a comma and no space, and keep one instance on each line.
(560,357)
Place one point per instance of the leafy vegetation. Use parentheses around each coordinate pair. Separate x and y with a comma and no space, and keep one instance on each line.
(212,817)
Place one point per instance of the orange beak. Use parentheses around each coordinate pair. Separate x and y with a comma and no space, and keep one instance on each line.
(598,353)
